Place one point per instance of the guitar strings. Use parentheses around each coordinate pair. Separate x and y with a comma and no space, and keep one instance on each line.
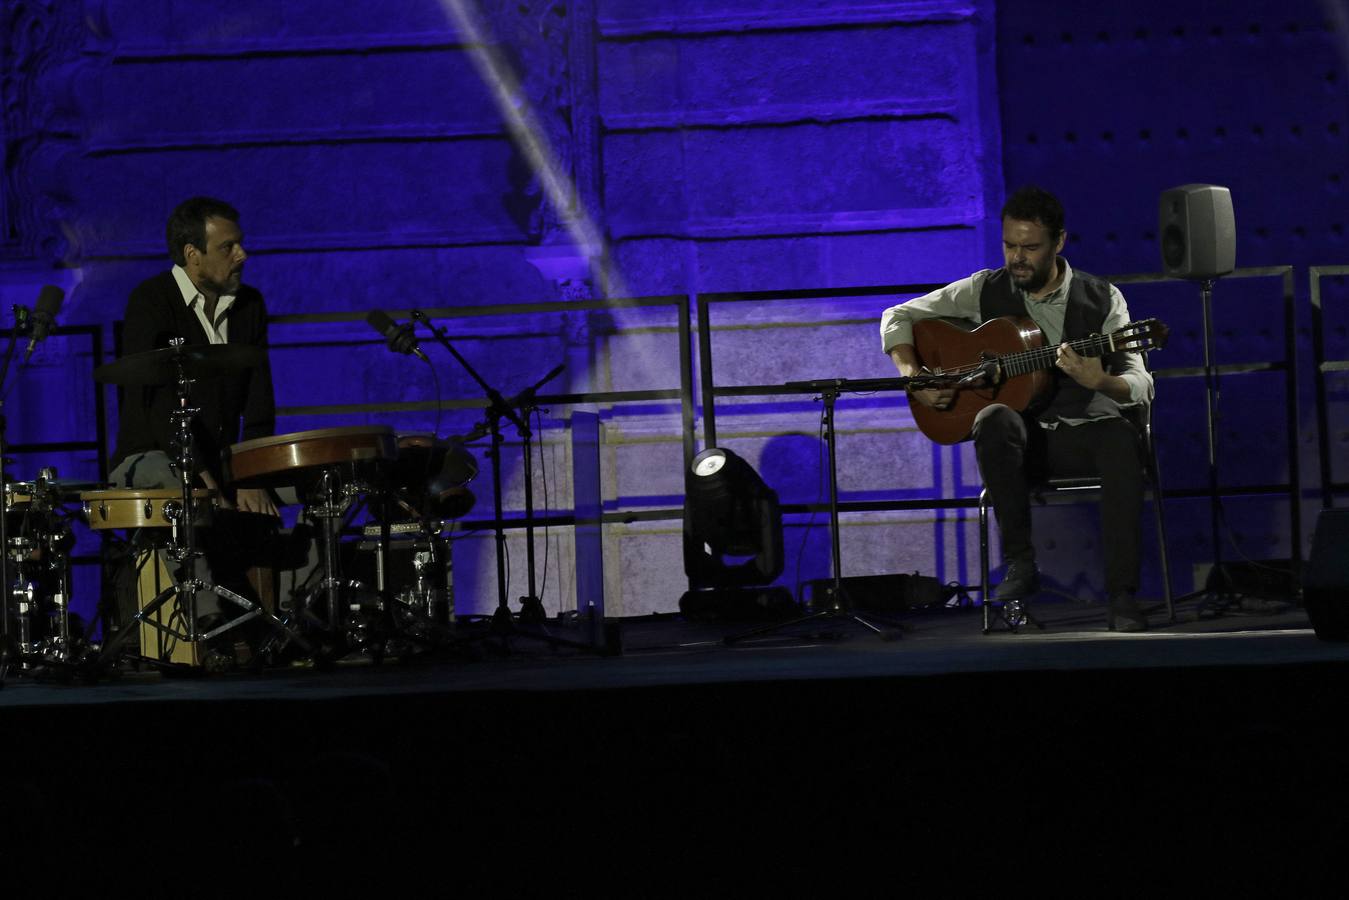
(1025,361)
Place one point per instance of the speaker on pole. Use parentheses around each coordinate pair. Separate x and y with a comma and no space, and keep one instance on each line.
(1325,579)
(1198,231)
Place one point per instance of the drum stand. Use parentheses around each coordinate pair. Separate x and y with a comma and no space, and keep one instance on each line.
(334,497)
(417,615)
(183,549)
(328,500)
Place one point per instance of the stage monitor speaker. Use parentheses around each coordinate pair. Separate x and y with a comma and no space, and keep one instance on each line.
(1325,579)
(885,593)
(1198,232)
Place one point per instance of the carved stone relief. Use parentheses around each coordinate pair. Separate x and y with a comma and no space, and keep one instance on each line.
(39,125)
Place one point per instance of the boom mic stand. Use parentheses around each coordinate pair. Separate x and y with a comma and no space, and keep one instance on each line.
(498,407)
(531,606)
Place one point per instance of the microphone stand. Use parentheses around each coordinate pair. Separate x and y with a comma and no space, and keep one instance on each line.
(840,606)
(7,654)
(531,605)
(498,407)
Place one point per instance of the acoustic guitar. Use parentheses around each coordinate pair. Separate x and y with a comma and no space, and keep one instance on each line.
(1004,360)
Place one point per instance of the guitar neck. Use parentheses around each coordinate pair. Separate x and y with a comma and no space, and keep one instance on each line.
(1045,357)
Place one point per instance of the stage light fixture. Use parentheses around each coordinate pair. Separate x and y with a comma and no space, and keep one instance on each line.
(732,540)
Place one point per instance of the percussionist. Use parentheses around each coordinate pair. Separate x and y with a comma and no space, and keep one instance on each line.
(201,299)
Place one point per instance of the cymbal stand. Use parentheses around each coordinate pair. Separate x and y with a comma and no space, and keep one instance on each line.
(840,607)
(183,550)
(7,648)
(48,532)
(498,407)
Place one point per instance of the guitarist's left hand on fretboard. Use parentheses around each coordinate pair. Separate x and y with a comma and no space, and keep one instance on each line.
(1085,370)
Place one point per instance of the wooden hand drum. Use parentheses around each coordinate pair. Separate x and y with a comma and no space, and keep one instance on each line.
(297,459)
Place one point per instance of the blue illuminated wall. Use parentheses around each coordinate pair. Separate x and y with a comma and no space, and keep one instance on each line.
(1111,104)
(719,146)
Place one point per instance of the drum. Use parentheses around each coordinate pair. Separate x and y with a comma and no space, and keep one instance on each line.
(430,477)
(294,460)
(140,508)
(45,493)
(19,495)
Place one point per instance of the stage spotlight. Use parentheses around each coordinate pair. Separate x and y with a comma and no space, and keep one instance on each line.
(732,541)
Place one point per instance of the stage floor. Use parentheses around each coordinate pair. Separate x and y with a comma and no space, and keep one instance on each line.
(1204,754)
(666,651)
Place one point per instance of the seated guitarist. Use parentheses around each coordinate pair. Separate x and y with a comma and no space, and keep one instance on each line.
(1079,430)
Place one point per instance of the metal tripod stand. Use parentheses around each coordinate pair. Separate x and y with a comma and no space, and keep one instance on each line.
(518,410)
(839,605)
(1218,597)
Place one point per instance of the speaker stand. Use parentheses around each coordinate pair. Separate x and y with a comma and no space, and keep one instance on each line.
(1217,597)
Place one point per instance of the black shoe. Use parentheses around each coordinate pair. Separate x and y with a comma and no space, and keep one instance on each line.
(1015,614)
(217,662)
(1022,580)
(1125,614)
(216,655)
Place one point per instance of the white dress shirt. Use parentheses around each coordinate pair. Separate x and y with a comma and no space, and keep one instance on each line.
(218,331)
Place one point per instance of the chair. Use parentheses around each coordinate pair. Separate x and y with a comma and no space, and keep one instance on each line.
(1140,414)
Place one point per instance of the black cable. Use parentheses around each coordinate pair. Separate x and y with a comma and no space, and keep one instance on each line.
(435,378)
(435,438)
(543,469)
(1232,541)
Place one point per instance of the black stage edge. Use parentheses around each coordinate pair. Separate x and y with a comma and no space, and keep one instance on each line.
(1208,754)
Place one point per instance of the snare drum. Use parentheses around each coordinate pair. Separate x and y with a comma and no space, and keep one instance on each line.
(141,508)
(293,460)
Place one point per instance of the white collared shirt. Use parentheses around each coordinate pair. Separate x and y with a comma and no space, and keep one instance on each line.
(217,332)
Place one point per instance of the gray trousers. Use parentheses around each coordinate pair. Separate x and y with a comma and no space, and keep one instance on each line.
(154,470)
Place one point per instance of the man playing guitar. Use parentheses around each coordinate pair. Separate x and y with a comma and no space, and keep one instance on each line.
(1077,429)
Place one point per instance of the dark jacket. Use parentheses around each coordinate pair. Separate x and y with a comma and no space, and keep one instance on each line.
(233,407)
(1088,305)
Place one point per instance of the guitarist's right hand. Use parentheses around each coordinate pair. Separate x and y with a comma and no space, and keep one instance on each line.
(937,398)
(906,361)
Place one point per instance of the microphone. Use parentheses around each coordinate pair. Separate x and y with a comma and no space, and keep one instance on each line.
(529,392)
(44,316)
(399,337)
(989,369)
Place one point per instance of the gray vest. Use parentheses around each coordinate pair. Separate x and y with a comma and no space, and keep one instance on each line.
(1088,305)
